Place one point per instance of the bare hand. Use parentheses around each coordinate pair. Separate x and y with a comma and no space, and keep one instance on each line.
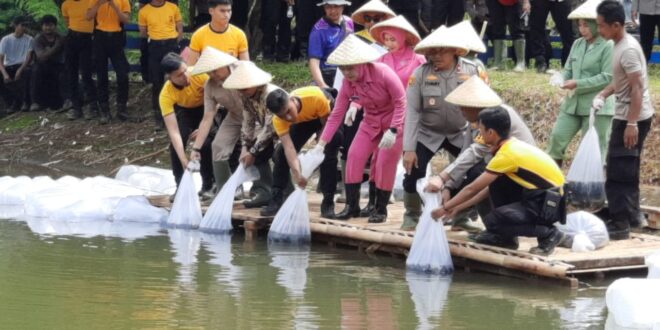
(526,7)
(634,17)
(630,136)
(193,135)
(247,159)
(446,196)
(18,75)
(300,180)
(435,184)
(569,84)
(184,163)
(194,155)
(7,79)
(409,160)
(439,213)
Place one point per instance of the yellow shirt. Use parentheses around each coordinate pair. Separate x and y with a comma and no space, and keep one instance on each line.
(232,41)
(160,21)
(366,35)
(106,17)
(527,165)
(191,96)
(74,12)
(313,105)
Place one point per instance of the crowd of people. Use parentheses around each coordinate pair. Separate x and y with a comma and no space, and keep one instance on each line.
(379,95)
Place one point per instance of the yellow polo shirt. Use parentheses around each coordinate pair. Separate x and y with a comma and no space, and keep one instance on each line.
(160,21)
(191,96)
(107,19)
(75,11)
(314,105)
(527,165)
(232,41)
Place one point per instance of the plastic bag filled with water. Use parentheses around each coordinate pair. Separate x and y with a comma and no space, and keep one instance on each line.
(429,252)
(138,209)
(291,223)
(588,231)
(186,211)
(585,184)
(218,217)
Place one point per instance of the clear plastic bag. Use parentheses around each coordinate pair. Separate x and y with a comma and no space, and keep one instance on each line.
(291,223)
(557,79)
(429,252)
(588,231)
(585,184)
(218,217)
(632,303)
(138,209)
(653,263)
(186,211)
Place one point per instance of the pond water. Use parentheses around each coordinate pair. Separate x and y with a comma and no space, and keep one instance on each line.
(103,275)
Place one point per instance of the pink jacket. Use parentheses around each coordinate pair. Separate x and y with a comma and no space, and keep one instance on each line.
(382,95)
(404,62)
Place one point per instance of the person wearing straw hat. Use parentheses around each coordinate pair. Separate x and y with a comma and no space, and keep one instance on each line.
(503,13)
(587,71)
(298,116)
(371,13)
(474,44)
(400,37)
(257,134)
(378,89)
(182,106)
(472,97)
(225,145)
(432,123)
(326,35)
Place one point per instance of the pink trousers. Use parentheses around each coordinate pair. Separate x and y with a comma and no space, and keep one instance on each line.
(383,163)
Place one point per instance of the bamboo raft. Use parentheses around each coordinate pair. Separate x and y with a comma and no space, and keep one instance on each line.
(563,266)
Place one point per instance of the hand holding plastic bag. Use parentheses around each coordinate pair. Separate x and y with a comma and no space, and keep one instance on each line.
(186,211)
(557,79)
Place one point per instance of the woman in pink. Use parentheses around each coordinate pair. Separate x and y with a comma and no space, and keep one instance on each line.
(378,89)
(400,38)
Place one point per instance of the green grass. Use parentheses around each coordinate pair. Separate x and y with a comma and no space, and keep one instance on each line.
(13,124)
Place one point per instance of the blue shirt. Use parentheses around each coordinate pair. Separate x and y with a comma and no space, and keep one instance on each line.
(325,37)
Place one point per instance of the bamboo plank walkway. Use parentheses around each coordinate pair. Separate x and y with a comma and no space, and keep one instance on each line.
(563,265)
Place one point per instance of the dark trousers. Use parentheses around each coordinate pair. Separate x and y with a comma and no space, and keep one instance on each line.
(17,92)
(622,183)
(424,156)
(239,17)
(300,133)
(648,24)
(307,14)
(447,12)
(409,9)
(276,27)
(157,50)
(44,75)
(110,46)
(502,16)
(188,121)
(483,207)
(78,57)
(537,20)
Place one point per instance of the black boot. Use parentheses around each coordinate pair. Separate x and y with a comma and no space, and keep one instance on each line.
(104,113)
(365,212)
(618,229)
(488,238)
(328,206)
(379,214)
(352,208)
(274,204)
(548,242)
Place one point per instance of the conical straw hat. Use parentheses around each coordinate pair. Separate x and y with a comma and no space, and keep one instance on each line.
(246,75)
(212,59)
(353,51)
(399,22)
(474,93)
(586,11)
(466,32)
(442,38)
(373,6)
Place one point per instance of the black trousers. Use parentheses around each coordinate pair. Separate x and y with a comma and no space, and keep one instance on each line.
(78,57)
(622,183)
(110,46)
(44,75)
(537,19)
(240,10)
(648,24)
(300,133)
(307,14)
(424,156)
(157,50)
(276,27)
(483,207)
(188,121)
(17,92)
(502,16)
(409,9)
(447,12)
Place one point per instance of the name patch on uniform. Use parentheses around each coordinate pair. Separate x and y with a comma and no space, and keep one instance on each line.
(432,77)
(412,81)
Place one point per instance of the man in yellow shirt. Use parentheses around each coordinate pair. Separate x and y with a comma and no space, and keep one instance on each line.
(78,56)
(161,22)
(219,34)
(524,185)
(109,40)
(182,106)
(297,117)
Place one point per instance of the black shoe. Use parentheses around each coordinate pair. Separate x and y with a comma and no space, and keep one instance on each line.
(379,214)
(352,208)
(92,111)
(541,66)
(328,206)
(618,230)
(274,204)
(122,113)
(489,238)
(547,244)
(366,212)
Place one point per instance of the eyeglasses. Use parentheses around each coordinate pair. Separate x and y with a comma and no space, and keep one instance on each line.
(375,19)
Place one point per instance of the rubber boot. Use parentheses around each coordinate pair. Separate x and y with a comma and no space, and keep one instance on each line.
(92,110)
(549,241)
(379,215)
(413,204)
(618,229)
(261,188)
(462,223)
(366,211)
(104,113)
(519,48)
(122,114)
(352,208)
(274,203)
(221,173)
(499,48)
(342,196)
(328,206)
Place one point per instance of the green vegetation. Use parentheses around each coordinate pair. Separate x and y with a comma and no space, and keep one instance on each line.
(22,122)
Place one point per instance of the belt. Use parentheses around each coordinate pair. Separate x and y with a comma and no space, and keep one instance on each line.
(163,42)
(108,33)
(76,33)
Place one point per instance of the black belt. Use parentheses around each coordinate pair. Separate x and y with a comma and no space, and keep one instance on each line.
(107,33)
(163,42)
(76,33)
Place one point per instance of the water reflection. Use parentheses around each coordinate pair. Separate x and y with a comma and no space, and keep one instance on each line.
(219,248)
(429,293)
(185,245)
(127,231)
(291,261)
